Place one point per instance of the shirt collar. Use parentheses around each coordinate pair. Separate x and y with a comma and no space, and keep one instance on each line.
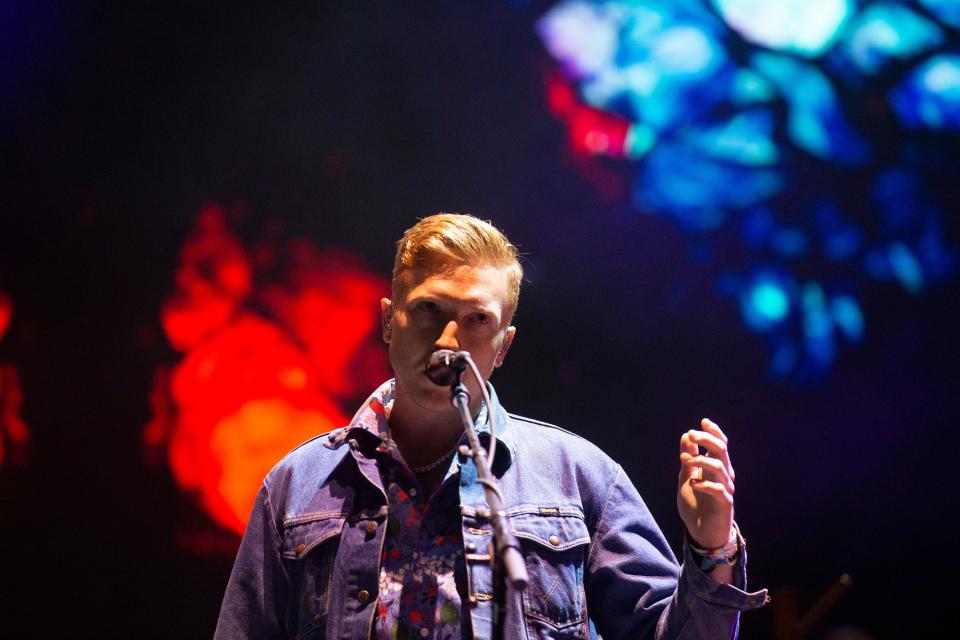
(373,414)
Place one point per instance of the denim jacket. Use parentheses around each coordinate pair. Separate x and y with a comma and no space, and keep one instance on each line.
(308,566)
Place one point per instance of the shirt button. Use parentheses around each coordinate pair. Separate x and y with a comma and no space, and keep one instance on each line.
(554,540)
(363,595)
(300,548)
(413,493)
(424,632)
(370,526)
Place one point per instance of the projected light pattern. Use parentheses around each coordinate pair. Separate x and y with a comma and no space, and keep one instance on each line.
(929,97)
(947,11)
(14,433)
(885,32)
(804,27)
(6,313)
(278,342)
(797,131)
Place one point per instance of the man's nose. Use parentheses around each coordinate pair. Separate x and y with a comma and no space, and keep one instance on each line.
(448,338)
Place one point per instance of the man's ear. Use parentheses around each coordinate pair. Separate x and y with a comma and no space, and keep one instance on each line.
(504,346)
(386,318)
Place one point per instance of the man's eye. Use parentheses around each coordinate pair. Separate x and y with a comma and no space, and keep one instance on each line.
(479,318)
(428,306)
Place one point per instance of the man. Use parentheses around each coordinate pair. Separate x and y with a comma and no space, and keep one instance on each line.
(376,530)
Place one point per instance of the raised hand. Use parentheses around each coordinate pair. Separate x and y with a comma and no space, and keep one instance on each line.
(705,489)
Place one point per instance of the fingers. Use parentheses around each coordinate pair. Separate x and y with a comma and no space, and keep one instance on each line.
(714,441)
(688,445)
(704,469)
(705,493)
(688,450)
(714,464)
(713,428)
(714,489)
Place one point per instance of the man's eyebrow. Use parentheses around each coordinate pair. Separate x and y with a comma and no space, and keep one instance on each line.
(492,306)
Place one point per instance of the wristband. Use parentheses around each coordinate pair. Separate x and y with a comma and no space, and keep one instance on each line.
(710,559)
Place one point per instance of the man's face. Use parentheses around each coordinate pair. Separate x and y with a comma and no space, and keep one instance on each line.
(463,307)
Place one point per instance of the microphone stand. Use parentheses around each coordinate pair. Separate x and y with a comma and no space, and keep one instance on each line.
(505,558)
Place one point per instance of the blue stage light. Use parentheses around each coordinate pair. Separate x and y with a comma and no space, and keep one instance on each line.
(744,139)
(790,243)
(749,87)
(815,121)
(848,316)
(765,302)
(947,11)
(930,96)
(757,227)
(906,268)
(766,129)
(817,327)
(696,189)
(804,27)
(784,360)
(888,30)
(770,301)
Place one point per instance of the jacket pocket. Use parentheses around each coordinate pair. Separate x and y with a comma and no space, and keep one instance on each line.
(309,551)
(554,547)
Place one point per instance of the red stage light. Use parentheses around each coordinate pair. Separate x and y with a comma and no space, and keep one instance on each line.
(591,131)
(269,352)
(14,433)
(6,313)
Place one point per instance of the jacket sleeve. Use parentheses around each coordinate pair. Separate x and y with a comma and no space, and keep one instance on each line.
(256,597)
(635,588)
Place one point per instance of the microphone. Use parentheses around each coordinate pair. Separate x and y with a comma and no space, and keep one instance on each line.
(445,366)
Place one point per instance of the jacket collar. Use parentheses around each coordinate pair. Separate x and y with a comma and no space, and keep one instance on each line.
(369,425)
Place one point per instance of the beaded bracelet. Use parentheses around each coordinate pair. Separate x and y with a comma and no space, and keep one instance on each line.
(710,559)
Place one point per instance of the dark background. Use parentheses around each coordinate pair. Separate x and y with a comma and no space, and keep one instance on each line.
(346,123)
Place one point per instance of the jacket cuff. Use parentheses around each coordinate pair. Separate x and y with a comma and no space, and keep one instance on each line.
(701,586)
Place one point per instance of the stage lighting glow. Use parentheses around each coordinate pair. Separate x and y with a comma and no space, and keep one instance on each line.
(757,227)
(6,313)
(584,36)
(930,96)
(749,87)
(694,187)
(906,267)
(817,327)
(789,243)
(847,315)
(744,139)
(762,118)
(768,303)
(841,239)
(784,360)
(815,122)
(947,11)
(889,30)
(683,51)
(14,433)
(640,139)
(805,27)
(275,352)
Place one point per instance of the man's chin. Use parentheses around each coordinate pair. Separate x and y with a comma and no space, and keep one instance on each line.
(426,395)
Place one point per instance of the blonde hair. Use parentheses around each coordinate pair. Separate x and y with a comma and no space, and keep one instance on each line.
(446,240)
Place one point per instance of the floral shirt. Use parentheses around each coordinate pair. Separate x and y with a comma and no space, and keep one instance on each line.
(422,570)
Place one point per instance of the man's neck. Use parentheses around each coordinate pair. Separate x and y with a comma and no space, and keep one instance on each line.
(421,433)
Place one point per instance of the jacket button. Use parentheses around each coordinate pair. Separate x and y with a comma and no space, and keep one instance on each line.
(300,548)
(371,527)
(554,540)
(363,595)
